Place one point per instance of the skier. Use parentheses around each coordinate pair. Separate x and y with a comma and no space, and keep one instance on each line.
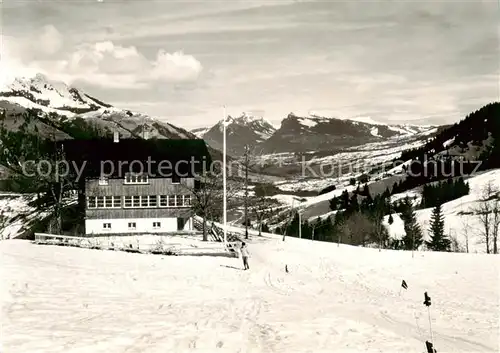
(245,255)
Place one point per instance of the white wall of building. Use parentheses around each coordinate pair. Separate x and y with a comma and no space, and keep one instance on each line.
(121,226)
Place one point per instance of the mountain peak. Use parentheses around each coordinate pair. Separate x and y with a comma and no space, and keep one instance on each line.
(59,103)
(38,91)
(244,129)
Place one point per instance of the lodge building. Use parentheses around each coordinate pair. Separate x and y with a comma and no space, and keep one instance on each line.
(136,186)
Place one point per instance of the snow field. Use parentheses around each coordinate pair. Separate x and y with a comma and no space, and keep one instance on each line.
(334,299)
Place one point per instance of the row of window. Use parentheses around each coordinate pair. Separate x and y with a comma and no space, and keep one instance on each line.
(145,201)
(137,179)
(131,225)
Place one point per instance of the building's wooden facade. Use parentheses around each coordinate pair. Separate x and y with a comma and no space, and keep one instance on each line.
(129,201)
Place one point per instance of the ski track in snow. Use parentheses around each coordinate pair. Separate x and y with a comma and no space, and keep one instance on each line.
(334,299)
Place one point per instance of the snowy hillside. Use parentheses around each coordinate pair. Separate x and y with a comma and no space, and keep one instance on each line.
(199,132)
(401,129)
(302,134)
(49,96)
(334,299)
(15,214)
(59,105)
(243,130)
(460,222)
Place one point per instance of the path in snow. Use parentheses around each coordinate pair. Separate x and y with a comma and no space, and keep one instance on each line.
(341,299)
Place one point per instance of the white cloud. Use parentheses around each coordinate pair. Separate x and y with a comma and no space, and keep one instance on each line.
(176,67)
(110,65)
(10,65)
(104,63)
(50,40)
(107,58)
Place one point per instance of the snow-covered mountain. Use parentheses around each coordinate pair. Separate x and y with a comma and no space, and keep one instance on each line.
(200,131)
(59,108)
(243,130)
(316,133)
(50,96)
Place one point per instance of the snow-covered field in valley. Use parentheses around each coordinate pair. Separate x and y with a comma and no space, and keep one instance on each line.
(334,299)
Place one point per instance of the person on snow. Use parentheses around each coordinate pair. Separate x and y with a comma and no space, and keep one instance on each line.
(245,255)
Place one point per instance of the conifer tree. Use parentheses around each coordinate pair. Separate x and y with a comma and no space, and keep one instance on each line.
(439,241)
(413,234)
(334,203)
(366,190)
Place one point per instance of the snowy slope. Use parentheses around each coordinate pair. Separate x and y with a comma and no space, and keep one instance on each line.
(17,214)
(334,299)
(199,132)
(457,213)
(40,92)
(243,130)
(401,129)
(61,103)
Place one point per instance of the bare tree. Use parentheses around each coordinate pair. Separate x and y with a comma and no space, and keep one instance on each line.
(23,153)
(3,222)
(247,166)
(454,243)
(466,231)
(208,196)
(488,213)
(248,162)
(263,208)
(356,229)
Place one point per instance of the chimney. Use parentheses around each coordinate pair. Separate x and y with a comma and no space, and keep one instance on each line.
(116,137)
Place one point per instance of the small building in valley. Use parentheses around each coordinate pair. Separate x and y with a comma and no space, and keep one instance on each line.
(132,186)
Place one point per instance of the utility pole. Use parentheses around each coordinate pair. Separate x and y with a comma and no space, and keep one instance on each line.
(300,226)
(246,191)
(224,197)
(300,200)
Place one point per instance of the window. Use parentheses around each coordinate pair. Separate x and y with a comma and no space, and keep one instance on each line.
(176,179)
(117,201)
(131,226)
(103,181)
(136,201)
(156,225)
(144,201)
(106,226)
(148,201)
(92,202)
(133,178)
(108,201)
(171,201)
(127,201)
(187,200)
(153,201)
(163,201)
(104,201)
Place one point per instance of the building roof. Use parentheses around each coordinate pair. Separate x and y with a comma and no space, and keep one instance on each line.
(156,157)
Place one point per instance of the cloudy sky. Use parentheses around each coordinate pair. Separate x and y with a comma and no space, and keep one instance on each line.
(420,61)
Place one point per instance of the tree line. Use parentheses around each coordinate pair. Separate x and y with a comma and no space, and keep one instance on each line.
(359,219)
